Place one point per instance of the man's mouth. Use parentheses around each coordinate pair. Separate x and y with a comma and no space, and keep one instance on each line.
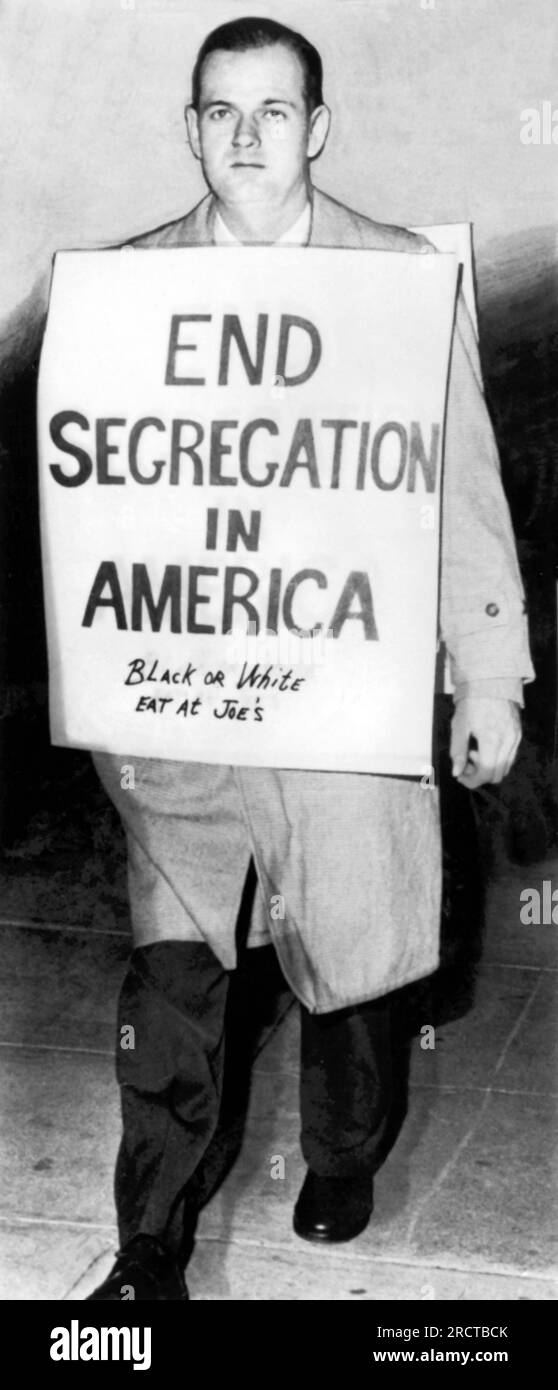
(246,164)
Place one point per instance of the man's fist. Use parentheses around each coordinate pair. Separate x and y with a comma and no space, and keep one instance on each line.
(496,726)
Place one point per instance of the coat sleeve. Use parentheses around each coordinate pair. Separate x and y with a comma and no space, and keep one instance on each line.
(482,603)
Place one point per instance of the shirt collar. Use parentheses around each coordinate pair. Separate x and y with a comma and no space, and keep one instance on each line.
(298,234)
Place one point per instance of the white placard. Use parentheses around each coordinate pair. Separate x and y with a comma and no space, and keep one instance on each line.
(235,442)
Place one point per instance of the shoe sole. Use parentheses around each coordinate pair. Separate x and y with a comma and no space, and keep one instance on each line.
(325,1238)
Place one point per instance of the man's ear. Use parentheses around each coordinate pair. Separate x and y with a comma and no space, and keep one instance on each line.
(191,117)
(318,131)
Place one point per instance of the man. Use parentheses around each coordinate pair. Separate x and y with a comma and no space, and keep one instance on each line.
(356,858)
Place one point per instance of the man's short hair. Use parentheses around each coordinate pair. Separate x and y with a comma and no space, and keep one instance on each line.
(240,35)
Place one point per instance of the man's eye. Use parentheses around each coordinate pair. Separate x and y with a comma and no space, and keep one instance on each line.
(275,113)
(219,113)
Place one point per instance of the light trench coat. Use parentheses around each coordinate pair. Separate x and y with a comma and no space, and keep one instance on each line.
(349,865)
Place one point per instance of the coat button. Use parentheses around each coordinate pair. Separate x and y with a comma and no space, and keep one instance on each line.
(492,609)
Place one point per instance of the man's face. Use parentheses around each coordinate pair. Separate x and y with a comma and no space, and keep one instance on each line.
(253,132)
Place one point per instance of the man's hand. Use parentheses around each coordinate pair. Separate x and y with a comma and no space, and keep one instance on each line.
(496,726)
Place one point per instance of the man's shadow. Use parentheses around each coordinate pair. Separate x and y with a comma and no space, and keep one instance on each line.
(449,993)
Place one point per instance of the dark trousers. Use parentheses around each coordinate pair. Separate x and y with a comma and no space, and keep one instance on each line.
(170,1055)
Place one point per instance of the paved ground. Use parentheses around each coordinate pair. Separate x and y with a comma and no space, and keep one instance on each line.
(465,1204)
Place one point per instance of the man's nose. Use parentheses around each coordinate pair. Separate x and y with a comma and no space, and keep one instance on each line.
(246,132)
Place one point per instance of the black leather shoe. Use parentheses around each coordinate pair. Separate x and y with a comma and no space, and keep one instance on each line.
(333,1209)
(144,1271)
